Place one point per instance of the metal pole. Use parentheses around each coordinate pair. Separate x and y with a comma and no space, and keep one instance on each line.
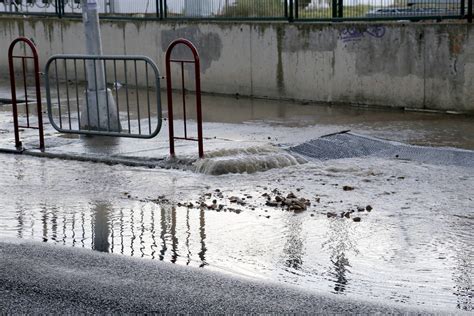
(112,6)
(158,9)
(59,8)
(14,100)
(97,94)
(334,8)
(340,9)
(469,11)
(292,9)
(296,9)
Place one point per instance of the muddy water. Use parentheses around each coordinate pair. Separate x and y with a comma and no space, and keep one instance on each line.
(413,248)
(418,128)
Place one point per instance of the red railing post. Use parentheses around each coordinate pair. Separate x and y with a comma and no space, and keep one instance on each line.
(11,65)
(197,70)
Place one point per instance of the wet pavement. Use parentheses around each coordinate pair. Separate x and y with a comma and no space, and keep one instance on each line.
(413,248)
(43,279)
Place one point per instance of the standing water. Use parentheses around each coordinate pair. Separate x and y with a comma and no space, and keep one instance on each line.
(371,228)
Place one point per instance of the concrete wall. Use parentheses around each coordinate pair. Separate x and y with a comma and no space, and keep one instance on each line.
(414,65)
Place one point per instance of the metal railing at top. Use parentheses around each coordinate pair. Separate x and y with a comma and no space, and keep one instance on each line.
(289,10)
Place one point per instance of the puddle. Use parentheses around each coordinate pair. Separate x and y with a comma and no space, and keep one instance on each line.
(414,247)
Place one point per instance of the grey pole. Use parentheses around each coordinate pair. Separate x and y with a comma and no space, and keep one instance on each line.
(112,6)
(101,113)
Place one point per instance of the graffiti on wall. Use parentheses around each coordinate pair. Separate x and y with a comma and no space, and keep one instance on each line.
(351,34)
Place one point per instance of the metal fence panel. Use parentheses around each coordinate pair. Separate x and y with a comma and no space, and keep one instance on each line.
(136,9)
(302,10)
(127,105)
(227,9)
(379,9)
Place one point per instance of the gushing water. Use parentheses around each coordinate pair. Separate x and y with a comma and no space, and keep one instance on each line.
(246,160)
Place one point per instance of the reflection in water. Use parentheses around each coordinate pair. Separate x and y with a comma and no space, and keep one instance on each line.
(463,288)
(463,269)
(202,234)
(101,227)
(340,266)
(44,221)
(153,236)
(73,228)
(174,239)
(163,232)
(131,232)
(122,244)
(54,223)
(155,231)
(294,246)
(64,230)
(83,231)
(168,233)
(340,241)
(19,217)
(188,235)
(142,232)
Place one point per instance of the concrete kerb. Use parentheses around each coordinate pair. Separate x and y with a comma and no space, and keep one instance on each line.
(95,159)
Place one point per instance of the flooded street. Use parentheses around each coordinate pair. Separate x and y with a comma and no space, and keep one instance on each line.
(414,247)
(378,229)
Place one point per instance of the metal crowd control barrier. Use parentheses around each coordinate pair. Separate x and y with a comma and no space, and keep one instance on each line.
(197,70)
(24,58)
(90,92)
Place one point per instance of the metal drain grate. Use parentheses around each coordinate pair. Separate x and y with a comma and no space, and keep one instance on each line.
(349,145)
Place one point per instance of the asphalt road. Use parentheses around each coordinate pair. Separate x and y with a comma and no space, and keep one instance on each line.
(40,278)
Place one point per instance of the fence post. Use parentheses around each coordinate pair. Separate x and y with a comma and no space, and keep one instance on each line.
(157,9)
(340,9)
(469,11)
(56,8)
(291,10)
(63,5)
(334,8)
(296,10)
(165,9)
(161,16)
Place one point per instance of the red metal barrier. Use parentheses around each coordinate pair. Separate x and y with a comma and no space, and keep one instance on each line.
(23,58)
(197,70)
